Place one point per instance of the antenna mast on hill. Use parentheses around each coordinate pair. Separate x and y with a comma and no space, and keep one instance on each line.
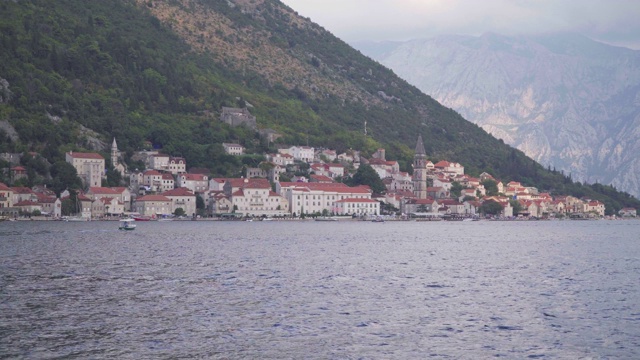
(365,128)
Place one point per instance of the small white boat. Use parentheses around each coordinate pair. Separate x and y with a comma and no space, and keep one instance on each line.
(127,224)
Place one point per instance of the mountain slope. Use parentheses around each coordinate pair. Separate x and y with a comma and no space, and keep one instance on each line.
(563,99)
(81,72)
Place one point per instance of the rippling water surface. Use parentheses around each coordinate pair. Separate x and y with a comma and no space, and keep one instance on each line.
(340,290)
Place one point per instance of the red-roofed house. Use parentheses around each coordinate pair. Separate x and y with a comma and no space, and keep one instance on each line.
(232,185)
(218,203)
(182,198)
(125,196)
(177,165)
(22,193)
(89,166)
(384,168)
(96,192)
(453,206)
(198,183)
(320,169)
(557,207)
(28,206)
(153,205)
(166,183)
(153,180)
(415,205)
(329,154)
(595,207)
(628,212)
(281,159)
(442,183)
(51,205)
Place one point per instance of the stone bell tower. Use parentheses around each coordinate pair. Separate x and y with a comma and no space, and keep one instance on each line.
(115,158)
(420,170)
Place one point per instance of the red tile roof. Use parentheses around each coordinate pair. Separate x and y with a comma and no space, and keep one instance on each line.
(22,190)
(80,155)
(178,192)
(194,177)
(321,178)
(257,183)
(103,191)
(153,198)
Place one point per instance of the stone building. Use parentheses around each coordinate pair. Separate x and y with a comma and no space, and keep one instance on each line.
(236,117)
(89,166)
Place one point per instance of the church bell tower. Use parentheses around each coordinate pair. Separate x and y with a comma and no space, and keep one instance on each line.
(420,170)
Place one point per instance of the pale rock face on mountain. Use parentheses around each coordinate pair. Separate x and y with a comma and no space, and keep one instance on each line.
(565,100)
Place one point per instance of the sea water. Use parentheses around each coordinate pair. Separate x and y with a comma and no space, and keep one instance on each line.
(320,290)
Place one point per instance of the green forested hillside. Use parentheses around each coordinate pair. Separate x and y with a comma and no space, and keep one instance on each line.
(158,72)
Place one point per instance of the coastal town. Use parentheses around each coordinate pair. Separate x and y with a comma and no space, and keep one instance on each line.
(294,182)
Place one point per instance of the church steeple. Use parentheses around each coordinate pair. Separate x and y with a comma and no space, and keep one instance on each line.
(420,170)
(419,146)
(114,153)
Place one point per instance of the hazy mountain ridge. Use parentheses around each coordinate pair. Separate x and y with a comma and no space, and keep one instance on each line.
(563,99)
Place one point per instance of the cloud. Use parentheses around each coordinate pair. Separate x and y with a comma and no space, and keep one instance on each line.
(612,21)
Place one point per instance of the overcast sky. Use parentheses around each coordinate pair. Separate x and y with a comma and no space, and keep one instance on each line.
(612,21)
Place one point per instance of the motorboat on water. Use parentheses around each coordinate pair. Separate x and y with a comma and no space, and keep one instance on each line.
(127,224)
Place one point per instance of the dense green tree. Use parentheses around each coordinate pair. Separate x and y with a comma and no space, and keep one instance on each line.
(517,207)
(199,202)
(491,208)
(113,178)
(490,186)
(366,175)
(456,189)
(64,176)
(179,212)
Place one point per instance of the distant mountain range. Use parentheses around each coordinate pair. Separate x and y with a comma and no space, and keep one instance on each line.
(567,101)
